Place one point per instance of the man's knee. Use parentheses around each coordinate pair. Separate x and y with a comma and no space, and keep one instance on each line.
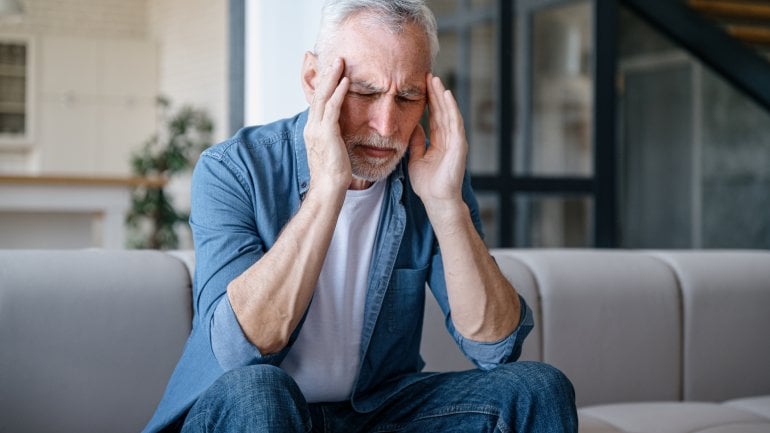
(539,396)
(253,398)
(537,380)
(547,377)
(259,383)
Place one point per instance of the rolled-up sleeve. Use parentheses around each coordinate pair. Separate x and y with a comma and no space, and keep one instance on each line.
(230,345)
(487,355)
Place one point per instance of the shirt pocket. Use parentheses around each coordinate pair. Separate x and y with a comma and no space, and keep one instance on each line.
(405,300)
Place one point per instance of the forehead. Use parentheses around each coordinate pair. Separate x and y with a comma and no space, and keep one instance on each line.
(376,54)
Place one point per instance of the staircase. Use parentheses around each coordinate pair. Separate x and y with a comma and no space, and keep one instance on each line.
(745,20)
(736,46)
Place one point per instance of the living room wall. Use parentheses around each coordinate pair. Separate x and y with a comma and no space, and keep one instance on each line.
(274,53)
(92,79)
(95,69)
(191,40)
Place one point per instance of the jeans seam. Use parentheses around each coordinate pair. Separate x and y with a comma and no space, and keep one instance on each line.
(502,426)
(448,411)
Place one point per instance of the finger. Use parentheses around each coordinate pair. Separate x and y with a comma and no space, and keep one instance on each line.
(453,110)
(417,143)
(447,105)
(439,90)
(439,102)
(334,105)
(456,125)
(434,108)
(326,85)
(433,96)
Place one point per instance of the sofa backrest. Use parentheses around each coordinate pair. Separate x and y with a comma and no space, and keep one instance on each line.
(610,321)
(88,339)
(639,325)
(726,304)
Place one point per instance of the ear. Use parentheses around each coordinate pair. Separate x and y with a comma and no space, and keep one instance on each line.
(309,75)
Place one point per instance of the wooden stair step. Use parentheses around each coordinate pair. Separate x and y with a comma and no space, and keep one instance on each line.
(733,9)
(751,34)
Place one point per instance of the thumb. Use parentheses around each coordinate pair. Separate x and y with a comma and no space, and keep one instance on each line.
(417,143)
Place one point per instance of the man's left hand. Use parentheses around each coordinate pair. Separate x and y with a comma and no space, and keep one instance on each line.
(437,172)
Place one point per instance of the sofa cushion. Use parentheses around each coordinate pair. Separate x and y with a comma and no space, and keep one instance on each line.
(610,321)
(89,338)
(589,424)
(671,417)
(726,297)
(758,405)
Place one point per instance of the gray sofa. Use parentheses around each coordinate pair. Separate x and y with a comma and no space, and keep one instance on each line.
(653,341)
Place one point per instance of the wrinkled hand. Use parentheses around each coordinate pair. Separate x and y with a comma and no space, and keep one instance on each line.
(327,155)
(437,172)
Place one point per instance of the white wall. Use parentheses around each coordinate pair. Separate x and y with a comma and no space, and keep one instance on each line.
(95,104)
(278,33)
(192,40)
(86,18)
(191,36)
(180,45)
(98,66)
(93,81)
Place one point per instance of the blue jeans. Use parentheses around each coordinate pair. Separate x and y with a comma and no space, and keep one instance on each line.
(517,397)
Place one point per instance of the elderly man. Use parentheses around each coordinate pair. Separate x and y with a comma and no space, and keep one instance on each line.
(314,239)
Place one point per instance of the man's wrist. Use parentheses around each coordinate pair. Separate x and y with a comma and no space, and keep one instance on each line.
(325,195)
(447,212)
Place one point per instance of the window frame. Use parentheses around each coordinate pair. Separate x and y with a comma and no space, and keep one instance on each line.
(15,142)
(513,19)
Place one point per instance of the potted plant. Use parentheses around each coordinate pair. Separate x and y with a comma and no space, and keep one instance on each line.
(153,220)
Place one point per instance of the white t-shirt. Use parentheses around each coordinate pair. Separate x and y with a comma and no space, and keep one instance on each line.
(324,359)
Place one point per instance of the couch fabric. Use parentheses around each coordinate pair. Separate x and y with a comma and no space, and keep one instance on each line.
(88,339)
(654,341)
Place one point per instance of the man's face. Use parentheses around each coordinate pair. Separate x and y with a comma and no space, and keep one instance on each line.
(387,94)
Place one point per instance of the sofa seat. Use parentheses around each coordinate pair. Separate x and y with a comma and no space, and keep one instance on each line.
(746,415)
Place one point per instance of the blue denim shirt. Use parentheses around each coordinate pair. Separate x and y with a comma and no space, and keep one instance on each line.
(244,191)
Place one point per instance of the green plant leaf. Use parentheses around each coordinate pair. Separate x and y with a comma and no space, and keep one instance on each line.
(153,220)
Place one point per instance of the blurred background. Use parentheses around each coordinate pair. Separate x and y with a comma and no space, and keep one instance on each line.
(592,123)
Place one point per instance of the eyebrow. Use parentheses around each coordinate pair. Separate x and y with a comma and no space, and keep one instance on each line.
(409,92)
(366,86)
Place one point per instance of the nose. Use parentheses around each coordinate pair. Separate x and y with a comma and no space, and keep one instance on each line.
(383,116)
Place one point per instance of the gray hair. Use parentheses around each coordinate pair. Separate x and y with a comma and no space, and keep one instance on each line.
(393,14)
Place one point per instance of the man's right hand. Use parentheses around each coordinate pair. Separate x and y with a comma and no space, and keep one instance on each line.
(271,296)
(328,160)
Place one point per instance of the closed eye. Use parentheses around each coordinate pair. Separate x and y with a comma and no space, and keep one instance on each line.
(363,95)
(409,99)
